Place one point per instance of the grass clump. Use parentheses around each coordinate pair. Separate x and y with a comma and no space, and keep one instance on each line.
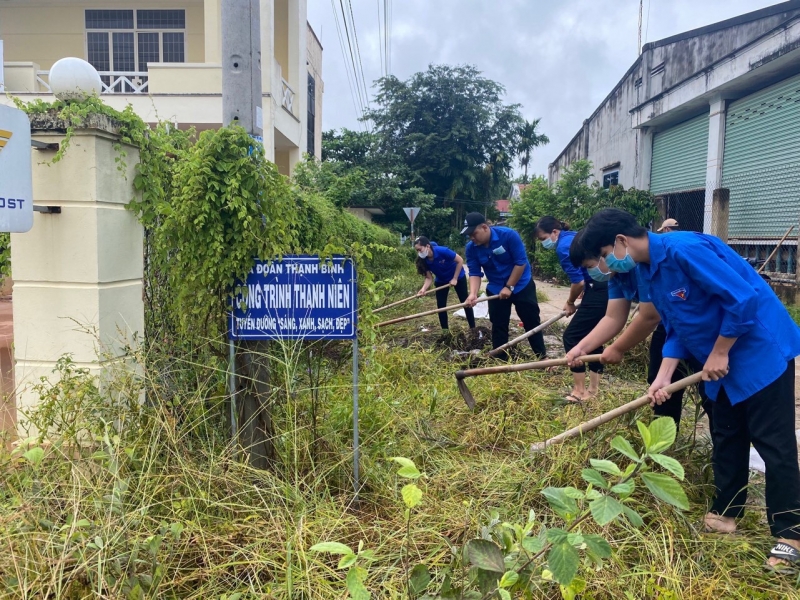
(151,500)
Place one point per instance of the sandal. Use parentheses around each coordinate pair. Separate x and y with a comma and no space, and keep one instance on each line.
(572,399)
(787,553)
(723,529)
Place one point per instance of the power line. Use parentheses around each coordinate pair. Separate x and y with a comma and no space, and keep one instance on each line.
(380,38)
(358,52)
(355,97)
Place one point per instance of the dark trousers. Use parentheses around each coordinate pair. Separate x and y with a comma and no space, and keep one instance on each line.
(462,293)
(592,308)
(527,306)
(767,420)
(674,406)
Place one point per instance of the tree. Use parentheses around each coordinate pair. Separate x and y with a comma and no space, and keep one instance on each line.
(529,138)
(452,130)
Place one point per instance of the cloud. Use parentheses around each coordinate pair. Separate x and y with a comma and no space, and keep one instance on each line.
(557,58)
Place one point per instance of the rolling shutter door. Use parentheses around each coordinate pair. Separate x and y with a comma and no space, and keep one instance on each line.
(680,156)
(761,164)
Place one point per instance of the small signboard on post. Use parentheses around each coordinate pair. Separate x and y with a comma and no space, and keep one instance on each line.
(297,297)
(16,180)
(412,212)
(300,297)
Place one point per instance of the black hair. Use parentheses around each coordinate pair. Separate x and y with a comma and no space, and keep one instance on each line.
(605,225)
(422,266)
(577,251)
(422,241)
(548,224)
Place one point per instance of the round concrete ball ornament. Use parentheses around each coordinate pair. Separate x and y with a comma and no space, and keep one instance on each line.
(74,79)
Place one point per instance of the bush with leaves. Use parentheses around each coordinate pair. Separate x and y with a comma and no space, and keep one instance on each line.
(511,559)
(573,200)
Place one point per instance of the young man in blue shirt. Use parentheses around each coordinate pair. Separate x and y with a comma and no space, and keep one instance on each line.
(556,235)
(716,308)
(499,253)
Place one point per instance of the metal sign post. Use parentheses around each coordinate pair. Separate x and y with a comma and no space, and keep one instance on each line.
(412,213)
(302,297)
(16,174)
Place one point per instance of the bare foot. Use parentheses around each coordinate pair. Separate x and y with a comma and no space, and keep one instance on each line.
(773,561)
(719,524)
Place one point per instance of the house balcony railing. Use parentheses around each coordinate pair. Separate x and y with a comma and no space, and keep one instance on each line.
(287,96)
(113,82)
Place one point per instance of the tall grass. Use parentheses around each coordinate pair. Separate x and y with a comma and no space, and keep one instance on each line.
(151,500)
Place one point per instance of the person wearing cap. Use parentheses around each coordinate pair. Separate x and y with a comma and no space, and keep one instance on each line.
(668,225)
(440,266)
(555,235)
(716,308)
(498,252)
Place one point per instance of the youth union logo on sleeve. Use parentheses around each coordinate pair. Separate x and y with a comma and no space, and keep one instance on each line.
(679,293)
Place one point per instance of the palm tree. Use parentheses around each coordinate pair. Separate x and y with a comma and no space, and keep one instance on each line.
(529,139)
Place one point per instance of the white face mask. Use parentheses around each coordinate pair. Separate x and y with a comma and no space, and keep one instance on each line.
(423,254)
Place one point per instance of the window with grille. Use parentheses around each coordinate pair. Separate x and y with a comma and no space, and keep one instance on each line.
(312,111)
(610,179)
(122,43)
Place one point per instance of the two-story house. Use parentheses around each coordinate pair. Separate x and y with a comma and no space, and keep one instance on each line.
(163,57)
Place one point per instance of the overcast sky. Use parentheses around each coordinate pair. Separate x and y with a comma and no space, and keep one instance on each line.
(557,58)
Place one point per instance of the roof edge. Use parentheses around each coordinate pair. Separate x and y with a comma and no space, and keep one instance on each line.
(732,22)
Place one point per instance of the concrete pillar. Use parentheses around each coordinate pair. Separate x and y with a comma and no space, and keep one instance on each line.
(720,212)
(644,158)
(212,30)
(77,274)
(716,148)
(271,93)
(298,80)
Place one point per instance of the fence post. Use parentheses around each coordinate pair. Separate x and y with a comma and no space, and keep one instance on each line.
(720,205)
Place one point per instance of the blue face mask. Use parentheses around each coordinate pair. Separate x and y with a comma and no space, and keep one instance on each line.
(548,244)
(596,274)
(620,265)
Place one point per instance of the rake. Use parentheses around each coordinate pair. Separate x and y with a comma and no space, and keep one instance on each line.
(433,312)
(527,334)
(541,364)
(441,287)
(613,414)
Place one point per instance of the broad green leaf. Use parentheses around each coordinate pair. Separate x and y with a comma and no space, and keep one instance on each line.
(486,555)
(593,477)
(576,539)
(34,455)
(597,545)
(419,579)
(667,489)
(624,489)
(623,446)
(408,468)
(348,560)
(556,536)
(605,509)
(331,548)
(662,434)
(508,579)
(504,594)
(355,584)
(645,433)
(563,561)
(559,501)
(605,466)
(575,493)
(412,495)
(593,494)
(670,464)
(633,516)
(532,544)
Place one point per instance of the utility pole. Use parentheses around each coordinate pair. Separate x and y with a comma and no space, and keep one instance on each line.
(241,104)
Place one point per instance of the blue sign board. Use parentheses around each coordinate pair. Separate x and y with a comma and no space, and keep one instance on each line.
(297,297)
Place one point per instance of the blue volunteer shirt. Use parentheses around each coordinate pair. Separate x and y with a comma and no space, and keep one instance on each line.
(629,286)
(702,289)
(498,259)
(575,274)
(442,264)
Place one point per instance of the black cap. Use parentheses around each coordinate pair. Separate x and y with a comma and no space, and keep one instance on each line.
(471,221)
